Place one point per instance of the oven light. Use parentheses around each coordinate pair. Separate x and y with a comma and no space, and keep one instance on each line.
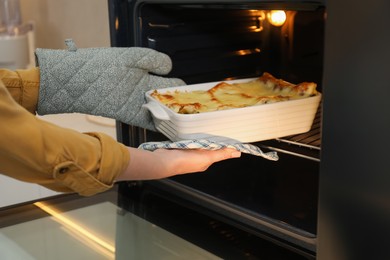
(248,51)
(276,17)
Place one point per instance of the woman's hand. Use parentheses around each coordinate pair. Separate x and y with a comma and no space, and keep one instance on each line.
(162,163)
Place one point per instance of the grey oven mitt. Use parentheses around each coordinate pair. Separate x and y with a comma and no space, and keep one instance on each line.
(109,82)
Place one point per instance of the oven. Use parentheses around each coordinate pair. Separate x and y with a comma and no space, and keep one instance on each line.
(219,40)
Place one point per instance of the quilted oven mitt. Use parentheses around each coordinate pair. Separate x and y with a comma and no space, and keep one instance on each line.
(109,82)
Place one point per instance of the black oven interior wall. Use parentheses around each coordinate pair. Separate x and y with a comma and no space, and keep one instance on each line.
(217,42)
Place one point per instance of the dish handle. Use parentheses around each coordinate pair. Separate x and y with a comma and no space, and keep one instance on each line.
(156,110)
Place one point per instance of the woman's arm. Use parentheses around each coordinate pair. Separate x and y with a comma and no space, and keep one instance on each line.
(62,159)
(145,165)
(23,85)
(58,158)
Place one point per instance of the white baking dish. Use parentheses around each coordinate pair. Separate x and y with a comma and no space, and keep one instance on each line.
(248,124)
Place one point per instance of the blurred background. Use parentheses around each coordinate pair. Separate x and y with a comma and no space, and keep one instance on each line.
(29,24)
(86,21)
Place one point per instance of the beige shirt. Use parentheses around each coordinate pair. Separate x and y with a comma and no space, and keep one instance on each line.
(36,151)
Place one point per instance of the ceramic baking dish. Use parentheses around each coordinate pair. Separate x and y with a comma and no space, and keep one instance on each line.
(247,124)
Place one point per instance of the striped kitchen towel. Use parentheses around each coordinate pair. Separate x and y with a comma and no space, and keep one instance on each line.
(209,145)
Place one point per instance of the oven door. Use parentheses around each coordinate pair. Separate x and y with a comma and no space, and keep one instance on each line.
(212,42)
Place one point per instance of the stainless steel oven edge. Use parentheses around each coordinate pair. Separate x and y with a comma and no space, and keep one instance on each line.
(354,195)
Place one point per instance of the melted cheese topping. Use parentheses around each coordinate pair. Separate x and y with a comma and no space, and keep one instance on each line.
(263,90)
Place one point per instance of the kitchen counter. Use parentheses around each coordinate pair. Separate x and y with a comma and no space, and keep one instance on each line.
(137,225)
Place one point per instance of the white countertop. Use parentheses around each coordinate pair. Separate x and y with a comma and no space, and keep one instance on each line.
(83,123)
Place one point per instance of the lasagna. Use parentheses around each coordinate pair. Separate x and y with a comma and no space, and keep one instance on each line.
(263,90)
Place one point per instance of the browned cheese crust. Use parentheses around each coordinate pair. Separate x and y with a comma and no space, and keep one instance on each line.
(263,90)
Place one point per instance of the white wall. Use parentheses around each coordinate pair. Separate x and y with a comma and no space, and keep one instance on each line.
(86,21)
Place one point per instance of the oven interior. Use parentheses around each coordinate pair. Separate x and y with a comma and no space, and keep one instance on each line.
(219,41)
